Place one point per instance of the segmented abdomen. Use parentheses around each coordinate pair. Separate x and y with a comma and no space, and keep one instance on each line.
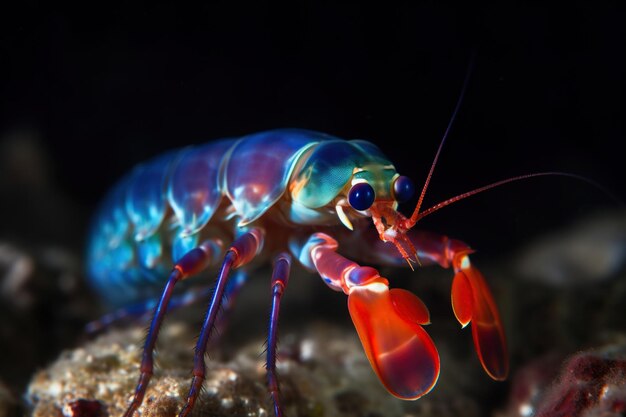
(154,214)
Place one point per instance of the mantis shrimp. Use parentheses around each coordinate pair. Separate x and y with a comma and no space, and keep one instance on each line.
(291,197)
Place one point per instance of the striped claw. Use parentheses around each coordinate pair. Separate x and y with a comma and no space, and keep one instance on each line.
(472,302)
(400,351)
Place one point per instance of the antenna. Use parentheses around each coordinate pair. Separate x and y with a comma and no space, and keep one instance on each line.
(415,216)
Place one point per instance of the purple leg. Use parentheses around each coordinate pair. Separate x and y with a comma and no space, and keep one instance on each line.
(193,262)
(241,252)
(280,277)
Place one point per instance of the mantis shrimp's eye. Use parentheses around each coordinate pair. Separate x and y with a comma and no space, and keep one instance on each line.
(361,196)
(403,188)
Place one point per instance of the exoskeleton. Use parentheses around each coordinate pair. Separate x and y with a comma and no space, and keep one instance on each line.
(297,197)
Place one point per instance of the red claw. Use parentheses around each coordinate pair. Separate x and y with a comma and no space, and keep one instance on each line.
(462,298)
(472,301)
(400,351)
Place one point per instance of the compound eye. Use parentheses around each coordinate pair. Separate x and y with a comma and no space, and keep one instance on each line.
(361,196)
(403,188)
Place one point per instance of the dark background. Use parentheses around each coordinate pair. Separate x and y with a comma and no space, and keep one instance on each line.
(103,88)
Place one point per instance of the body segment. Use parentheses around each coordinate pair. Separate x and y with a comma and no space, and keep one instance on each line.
(165,206)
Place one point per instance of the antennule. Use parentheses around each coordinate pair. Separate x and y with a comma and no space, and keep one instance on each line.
(413,219)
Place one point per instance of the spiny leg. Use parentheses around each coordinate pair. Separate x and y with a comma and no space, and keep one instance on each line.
(242,251)
(190,264)
(280,278)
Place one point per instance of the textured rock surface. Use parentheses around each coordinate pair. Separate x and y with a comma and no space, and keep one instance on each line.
(323,372)
(591,383)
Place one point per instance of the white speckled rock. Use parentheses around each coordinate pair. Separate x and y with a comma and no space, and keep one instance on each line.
(323,372)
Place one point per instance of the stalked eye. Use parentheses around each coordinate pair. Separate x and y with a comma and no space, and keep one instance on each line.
(361,196)
(403,188)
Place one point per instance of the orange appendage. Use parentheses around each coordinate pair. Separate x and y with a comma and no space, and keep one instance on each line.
(472,301)
(462,298)
(400,351)
(409,306)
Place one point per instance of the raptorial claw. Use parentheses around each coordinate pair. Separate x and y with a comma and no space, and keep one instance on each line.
(409,306)
(462,298)
(400,351)
(472,302)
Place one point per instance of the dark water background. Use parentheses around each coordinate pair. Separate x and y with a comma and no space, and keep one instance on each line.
(104,88)
(97,89)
